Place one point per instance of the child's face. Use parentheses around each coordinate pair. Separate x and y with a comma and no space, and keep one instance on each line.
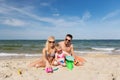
(59,51)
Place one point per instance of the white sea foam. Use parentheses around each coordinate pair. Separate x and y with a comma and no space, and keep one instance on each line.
(103,49)
(87,52)
(117,51)
(30,55)
(18,54)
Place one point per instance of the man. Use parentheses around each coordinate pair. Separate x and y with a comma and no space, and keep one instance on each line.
(66,45)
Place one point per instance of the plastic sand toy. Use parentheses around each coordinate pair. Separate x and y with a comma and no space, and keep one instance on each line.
(69,62)
(49,70)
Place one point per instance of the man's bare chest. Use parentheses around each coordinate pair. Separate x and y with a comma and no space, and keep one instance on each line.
(67,49)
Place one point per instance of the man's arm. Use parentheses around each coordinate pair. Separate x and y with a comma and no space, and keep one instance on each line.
(72,51)
(66,54)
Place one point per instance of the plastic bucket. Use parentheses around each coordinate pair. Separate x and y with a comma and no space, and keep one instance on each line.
(69,62)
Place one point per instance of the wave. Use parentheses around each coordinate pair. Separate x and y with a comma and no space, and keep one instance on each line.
(103,49)
(116,51)
(18,54)
(87,52)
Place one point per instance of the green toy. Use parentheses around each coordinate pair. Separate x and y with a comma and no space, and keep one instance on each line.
(55,69)
(69,62)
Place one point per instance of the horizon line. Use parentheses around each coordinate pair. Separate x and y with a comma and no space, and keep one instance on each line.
(59,39)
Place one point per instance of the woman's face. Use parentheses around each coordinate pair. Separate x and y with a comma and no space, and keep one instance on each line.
(51,42)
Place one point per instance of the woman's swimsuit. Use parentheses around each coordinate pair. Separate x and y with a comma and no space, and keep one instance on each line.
(50,55)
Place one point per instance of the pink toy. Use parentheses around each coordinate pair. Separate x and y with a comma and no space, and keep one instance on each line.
(49,70)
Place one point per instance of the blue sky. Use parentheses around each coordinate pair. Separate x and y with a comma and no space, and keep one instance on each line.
(38,19)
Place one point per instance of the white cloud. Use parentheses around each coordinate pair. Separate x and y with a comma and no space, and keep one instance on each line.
(56,14)
(55,22)
(64,24)
(28,8)
(13,22)
(45,4)
(32,15)
(111,15)
(86,16)
(4,10)
(60,21)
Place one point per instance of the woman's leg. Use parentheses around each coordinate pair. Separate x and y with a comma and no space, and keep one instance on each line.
(38,63)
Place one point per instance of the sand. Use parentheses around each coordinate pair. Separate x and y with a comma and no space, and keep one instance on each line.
(97,67)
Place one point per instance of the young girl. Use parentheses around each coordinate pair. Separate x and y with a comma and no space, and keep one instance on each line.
(60,56)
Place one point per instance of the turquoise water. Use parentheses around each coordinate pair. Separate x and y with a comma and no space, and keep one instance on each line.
(10,47)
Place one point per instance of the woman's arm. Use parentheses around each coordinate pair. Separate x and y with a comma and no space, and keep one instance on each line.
(45,57)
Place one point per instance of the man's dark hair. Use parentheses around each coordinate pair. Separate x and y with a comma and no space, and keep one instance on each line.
(69,35)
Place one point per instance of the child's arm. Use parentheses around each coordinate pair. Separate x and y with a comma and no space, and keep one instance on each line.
(55,56)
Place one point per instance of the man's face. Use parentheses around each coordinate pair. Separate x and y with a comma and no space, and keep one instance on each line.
(67,40)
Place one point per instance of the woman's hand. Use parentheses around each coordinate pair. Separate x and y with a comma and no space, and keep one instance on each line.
(48,65)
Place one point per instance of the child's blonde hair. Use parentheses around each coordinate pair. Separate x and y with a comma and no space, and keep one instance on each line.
(57,46)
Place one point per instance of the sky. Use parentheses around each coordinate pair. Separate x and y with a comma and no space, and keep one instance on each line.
(38,19)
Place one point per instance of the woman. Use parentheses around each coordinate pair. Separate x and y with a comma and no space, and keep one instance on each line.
(48,54)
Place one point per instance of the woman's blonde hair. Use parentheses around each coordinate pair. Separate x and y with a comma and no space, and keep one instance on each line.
(47,42)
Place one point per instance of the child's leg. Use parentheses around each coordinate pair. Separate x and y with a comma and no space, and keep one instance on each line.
(55,63)
(63,64)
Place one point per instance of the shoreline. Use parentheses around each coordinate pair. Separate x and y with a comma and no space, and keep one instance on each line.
(40,55)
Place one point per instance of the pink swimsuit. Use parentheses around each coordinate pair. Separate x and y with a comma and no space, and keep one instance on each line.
(61,58)
(60,55)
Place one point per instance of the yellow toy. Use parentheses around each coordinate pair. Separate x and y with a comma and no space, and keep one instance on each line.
(19,72)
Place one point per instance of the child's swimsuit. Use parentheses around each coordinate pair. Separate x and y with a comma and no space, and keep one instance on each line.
(61,58)
(60,55)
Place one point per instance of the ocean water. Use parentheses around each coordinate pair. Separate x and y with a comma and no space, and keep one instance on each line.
(34,47)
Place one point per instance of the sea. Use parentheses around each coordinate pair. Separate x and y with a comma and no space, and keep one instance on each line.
(33,48)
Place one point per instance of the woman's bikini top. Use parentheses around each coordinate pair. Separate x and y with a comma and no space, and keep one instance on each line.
(50,54)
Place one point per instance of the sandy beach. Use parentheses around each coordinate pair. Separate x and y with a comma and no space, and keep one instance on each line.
(97,67)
